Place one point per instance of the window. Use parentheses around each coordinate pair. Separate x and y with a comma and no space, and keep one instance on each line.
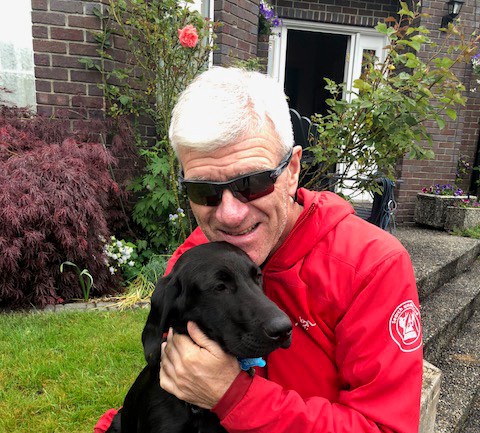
(16,55)
(205,7)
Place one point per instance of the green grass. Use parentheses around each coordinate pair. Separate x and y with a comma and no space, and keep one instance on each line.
(473,232)
(60,372)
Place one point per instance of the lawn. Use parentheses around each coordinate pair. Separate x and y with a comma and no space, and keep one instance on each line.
(60,371)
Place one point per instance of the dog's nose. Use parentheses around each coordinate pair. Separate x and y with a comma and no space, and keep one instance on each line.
(279,329)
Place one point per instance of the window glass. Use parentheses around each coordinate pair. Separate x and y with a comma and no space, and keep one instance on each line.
(16,54)
(205,7)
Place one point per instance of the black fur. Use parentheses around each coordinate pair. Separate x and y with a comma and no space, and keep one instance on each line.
(219,288)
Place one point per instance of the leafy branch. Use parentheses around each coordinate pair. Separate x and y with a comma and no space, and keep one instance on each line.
(385,116)
(156,67)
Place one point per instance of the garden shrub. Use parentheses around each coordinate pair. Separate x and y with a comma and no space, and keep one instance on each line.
(56,198)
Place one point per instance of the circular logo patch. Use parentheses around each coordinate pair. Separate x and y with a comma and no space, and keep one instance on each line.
(405,327)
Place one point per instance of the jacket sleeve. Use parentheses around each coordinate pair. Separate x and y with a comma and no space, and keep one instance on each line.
(379,361)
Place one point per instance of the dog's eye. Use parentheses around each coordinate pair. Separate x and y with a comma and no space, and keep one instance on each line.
(220,287)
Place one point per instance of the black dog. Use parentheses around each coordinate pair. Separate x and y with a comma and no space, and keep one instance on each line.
(218,287)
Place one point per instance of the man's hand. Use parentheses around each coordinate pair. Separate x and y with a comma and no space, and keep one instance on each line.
(195,369)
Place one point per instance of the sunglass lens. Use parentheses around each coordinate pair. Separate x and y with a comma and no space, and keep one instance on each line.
(254,186)
(203,194)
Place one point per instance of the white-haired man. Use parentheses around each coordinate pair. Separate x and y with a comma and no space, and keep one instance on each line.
(345,284)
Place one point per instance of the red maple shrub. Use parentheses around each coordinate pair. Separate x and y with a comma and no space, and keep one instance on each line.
(56,198)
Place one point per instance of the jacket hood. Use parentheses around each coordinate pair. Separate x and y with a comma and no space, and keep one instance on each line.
(322,212)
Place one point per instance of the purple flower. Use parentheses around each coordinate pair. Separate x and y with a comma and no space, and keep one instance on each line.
(266,10)
(276,22)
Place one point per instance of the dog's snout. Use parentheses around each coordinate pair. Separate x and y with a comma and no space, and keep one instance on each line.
(279,329)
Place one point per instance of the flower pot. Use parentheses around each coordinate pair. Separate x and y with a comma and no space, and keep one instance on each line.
(462,217)
(431,209)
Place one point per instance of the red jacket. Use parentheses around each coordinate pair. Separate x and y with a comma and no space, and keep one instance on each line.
(355,363)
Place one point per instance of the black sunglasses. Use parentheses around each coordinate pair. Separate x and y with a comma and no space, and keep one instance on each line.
(245,188)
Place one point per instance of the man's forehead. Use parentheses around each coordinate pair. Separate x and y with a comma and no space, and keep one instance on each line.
(229,162)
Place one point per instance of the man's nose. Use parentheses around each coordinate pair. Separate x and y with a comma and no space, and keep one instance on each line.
(231,210)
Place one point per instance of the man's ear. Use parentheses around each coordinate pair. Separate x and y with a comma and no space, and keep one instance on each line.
(167,290)
(294,170)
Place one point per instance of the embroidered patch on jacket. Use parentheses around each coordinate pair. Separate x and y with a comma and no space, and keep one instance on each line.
(405,326)
(305,323)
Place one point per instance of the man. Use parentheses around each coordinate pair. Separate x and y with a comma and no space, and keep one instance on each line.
(355,363)
(347,286)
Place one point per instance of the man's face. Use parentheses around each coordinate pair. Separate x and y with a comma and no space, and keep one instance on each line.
(260,226)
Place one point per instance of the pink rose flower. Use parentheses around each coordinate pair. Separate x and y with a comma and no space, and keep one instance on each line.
(188,36)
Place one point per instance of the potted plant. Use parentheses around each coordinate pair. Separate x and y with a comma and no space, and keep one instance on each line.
(463,215)
(432,204)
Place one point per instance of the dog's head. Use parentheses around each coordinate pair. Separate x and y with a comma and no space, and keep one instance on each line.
(218,287)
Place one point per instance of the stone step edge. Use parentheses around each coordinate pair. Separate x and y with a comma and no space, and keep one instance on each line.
(430,395)
(457,300)
(432,281)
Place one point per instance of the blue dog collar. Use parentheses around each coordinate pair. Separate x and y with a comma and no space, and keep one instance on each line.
(247,363)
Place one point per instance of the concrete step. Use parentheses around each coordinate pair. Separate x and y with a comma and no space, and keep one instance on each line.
(445,311)
(460,366)
(448,279)
(437,257)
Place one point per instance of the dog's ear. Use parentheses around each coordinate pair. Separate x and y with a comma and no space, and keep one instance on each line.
(166,292)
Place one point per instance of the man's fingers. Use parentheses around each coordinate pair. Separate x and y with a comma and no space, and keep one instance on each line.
(200,339)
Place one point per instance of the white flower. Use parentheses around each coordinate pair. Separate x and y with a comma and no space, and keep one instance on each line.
(131,263)
(119,244)
(112,270)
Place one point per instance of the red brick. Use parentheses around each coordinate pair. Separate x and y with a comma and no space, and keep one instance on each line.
(87,101)
(48,18)
(66,61)
(49,46)
(70,6)
(71,88)
(51,73)
(84,22)
(43,86)
(86,76)
(62,33)
(93,90)
(44,111)
(52,99)
(40,32)
(40,5)
(41,59)
(82,49)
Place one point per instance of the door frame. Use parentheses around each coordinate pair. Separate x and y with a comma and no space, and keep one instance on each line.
(360,38)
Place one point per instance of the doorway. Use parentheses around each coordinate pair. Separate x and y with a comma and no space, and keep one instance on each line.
(310,57)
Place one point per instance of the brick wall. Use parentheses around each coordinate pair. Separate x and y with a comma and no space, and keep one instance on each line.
(61,36)
(61,32)
(459,138)
(347,12)
(237,37)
